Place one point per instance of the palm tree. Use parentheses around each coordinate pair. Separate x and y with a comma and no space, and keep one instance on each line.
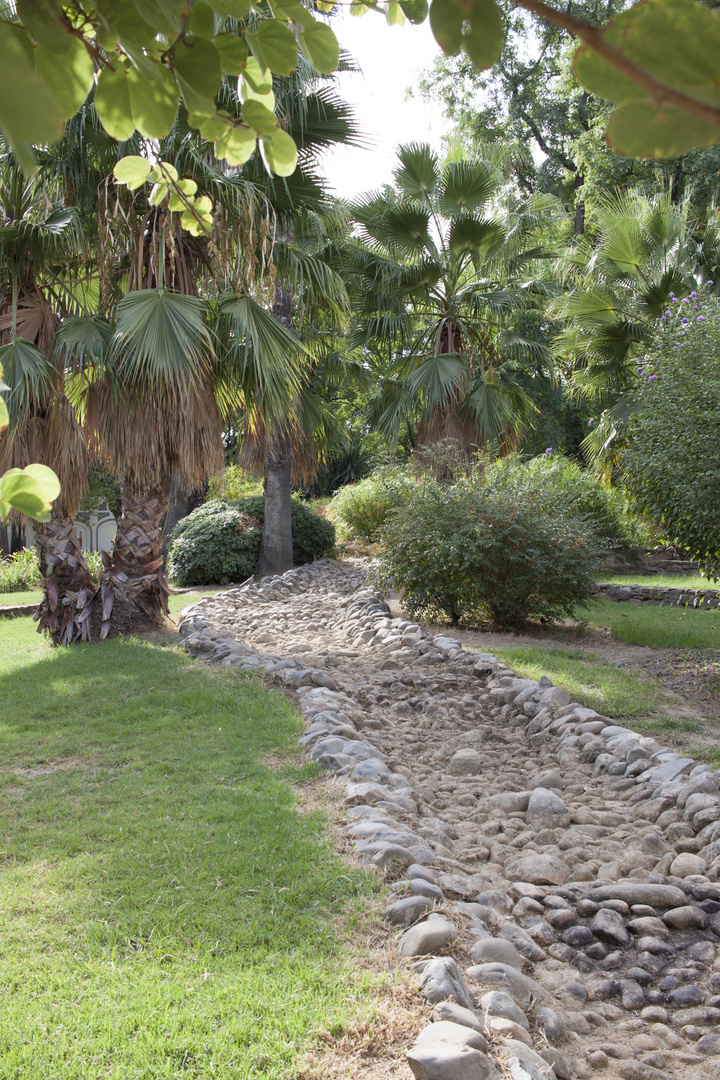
(441,275)
(40,266)
(644,251)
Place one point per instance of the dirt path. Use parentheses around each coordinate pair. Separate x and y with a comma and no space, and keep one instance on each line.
(555,876)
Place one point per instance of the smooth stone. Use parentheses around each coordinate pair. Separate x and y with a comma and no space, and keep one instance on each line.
(456,1014)
(431,936)
(686,864)
(539,869)
(415,870)
(445,1061)
(465,762)
(551,1024)
(709,1044)
(449,1032)
(686,995)
(609,926)
(519,986)
(406,912)
(499,1003)
(640,892)
(442,980)
(546,810)
(498,950)
(420,887)
(685,918)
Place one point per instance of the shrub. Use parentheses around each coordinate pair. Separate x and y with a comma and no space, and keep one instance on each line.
(475,549)
(20,572)
(363,508)
(563,484)
(216,543)
(234,483)
(671,462)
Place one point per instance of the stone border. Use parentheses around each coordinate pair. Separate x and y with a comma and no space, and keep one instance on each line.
(338,737)
(658,595)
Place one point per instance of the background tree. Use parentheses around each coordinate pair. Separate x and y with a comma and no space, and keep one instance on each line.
(440,279)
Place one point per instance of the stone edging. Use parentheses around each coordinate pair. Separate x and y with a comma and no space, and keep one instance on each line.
(463,1043)
(659,595)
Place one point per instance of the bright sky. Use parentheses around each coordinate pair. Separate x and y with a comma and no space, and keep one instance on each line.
(391,59)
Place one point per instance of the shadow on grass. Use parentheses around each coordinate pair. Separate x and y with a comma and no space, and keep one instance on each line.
(164,907)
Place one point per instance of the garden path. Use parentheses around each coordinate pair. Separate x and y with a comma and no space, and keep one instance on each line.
(554,876)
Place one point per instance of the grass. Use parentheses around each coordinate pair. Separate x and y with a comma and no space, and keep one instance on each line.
(166,910)
(27,596)
(658,627)
(610,690)
(676,581)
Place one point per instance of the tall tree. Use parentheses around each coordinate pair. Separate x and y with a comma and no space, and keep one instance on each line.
(442,278)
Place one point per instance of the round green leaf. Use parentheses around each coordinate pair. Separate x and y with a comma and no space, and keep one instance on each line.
(163,172)
(446,23)
(46,478)
(394,15)
(69,75)
(154,102)
(236,9)
(29,111)
(416,11)
(259,78)
(280,153)
(259,118)
(132,170)
(278,47)
(199,74)
(646,129)
(320,45)
(112,103)
(211,128)
(237,146)
(4,417)
(202,20)
(44,25)
(158,194)
(25,493)
(483,42)
(233,53)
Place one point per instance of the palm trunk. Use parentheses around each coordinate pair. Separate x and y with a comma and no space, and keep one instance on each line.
(134,588)
(276,554)
(66,608)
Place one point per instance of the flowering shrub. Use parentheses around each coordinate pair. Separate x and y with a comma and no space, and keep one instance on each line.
(363,508)
(20,572)
(480,548)
(672,462)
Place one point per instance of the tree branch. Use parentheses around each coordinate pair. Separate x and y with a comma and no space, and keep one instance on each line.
(594,37)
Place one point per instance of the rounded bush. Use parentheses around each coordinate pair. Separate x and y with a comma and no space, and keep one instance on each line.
(475,549)
(217,543)
(562,483)
(671,462)
(20,572)
(363,508)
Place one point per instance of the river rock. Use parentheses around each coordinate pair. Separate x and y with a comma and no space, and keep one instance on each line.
(466,762)
(443,1061)
(539,869)
(639,892)
(442,980)
(431,936)
(546,810)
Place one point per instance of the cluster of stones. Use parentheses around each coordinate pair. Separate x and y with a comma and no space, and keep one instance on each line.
(554,875)
(659,595)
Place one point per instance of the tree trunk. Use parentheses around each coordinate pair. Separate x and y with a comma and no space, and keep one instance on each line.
(67,606)
(276,554)
(134,588)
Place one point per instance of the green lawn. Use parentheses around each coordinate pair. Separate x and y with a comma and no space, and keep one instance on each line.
(177,603)
(165,909)
(658,627)
(677,581)
(610,690)
(29,596)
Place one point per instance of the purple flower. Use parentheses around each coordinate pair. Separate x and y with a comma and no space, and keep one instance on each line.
(549,450)
(591,421)
(685,300)
(701,318)
(675,300)
(652,378)
(683,321)
(693,294)
(711,282)
(672,294)
(640,370)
